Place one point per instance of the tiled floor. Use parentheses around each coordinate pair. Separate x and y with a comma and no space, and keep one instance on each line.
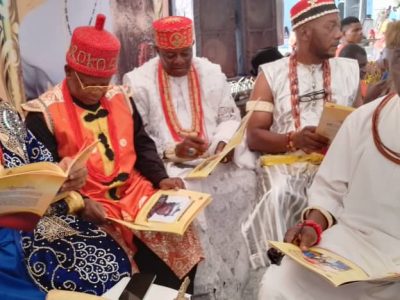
(250,293)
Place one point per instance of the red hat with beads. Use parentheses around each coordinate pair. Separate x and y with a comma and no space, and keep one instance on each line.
(93,50)
(173,32)
(307,10)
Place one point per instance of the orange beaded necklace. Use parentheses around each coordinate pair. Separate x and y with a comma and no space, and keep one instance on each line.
(178,133)
(382,148)
(294,87)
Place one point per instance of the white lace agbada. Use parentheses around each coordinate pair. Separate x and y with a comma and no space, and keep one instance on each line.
(225,270)
(221,116)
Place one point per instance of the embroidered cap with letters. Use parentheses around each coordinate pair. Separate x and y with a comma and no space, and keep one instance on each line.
(93,50)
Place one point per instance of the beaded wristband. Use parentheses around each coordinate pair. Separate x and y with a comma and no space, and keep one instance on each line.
(289,142)
(323,211)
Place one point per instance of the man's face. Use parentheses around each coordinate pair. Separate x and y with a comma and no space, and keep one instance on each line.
(393,57)
(325,35)
(176,62)
(353,33)
(362,63)
(88,89)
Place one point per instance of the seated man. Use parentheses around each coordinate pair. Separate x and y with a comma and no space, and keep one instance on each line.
(55,254)
(125,170)
(263,56)
(352,33)
(293,91)
(188,110)
(369,90)
(355,201)
(358,53)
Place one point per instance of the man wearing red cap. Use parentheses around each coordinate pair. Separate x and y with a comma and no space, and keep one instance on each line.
(125,169)
(354,205)
(292,93)
(187,109)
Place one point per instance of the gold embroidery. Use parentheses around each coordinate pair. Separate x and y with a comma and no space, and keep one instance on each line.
(53,228)
(13,133)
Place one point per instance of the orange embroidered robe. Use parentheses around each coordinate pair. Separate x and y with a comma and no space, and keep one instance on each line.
(112,179)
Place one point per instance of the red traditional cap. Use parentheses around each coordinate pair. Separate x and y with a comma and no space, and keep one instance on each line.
(93,50)
(173,32)
(307,10)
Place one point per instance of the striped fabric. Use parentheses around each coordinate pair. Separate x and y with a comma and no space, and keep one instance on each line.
(283,193)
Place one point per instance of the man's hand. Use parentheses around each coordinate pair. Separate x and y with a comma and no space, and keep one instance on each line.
(228,158)
(309,141)
(93,212)
(306,236)
(76,178)
(171,183)
(191,147)
(302,236)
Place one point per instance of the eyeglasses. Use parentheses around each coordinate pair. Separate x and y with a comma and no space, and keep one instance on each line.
(312,96)
(87,88)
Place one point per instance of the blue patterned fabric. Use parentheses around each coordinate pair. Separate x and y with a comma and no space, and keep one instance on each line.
(15,282)
(86,259)
(63,252)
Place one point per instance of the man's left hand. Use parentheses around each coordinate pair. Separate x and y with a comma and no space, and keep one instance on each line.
(171,183)
(228,158)
(76,179)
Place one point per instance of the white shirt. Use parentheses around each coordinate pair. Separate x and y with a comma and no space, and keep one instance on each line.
(344,85)
(361,189)
(221,116)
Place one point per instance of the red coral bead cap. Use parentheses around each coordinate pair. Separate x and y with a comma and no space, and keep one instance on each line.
(307,10)
(94,51)
(173,32)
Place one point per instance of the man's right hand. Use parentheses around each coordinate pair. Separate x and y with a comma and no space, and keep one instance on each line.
(93,212)
(191,147)
(309,141)
(304,237)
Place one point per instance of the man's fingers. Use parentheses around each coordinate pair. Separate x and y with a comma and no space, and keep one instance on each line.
(79,173)
(308,238)
(315,140)
(197,143)
(291,235)
(313,144)
(196,140)
(65,162)
(200,148)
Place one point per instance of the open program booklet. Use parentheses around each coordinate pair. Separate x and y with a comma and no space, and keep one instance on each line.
(31,188)
(208,165)
(334,268)
(333,115)
(169,211)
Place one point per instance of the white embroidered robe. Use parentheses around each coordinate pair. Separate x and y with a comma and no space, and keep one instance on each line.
(225,268)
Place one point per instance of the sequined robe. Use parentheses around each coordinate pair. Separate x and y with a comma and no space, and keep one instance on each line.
(63,252)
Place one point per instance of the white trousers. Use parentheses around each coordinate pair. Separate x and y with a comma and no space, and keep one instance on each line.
(290,281)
